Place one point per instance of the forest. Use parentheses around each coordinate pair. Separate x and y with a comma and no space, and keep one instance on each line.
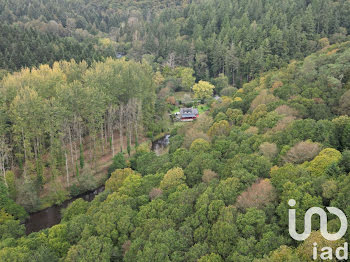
(21,48)
(271,80)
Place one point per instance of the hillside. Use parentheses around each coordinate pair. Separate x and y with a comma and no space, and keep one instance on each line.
(240,39)
(221,192)
(20,47)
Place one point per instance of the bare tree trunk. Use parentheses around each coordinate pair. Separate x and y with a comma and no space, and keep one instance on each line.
(121,108)
(4,153)
(4,175)
(137,122)
(233,77)
(112,135)
(79,130)
(25,155)
(67,171)
(106,133)
(71,145)
(102,139)
(94,151)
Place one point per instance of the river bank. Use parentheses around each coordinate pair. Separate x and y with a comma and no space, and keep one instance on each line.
(51,216)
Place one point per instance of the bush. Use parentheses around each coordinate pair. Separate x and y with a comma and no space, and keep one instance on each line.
(118,163)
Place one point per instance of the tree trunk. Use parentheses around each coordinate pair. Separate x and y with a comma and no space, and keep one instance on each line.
(233,77)
(25,155)
(112,137)
(102,139)
(71,145)
(121,126)
(67,171)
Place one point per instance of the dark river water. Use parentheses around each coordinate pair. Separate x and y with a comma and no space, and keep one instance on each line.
(52,215)
(160,145)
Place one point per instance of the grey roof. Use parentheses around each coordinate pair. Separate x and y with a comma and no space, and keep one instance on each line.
(189,112)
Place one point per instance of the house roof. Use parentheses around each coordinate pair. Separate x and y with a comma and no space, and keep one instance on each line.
(189,112)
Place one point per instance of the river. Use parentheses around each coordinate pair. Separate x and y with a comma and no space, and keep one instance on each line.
(52,215)
(160,145)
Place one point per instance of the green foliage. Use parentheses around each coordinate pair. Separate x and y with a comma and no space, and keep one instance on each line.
(118,163)
(9,206)
(203,90)
(210,199)
(81,157)
(175,143)
(200,145)
(28,47)
(115,182)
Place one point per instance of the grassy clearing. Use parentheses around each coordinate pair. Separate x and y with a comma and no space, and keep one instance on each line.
(203,108)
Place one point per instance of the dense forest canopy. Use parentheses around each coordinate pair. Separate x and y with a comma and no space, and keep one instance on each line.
(238,38)
(46,113)
(221,192)
(21,47)
(86,86)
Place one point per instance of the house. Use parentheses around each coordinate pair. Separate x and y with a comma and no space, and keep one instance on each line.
(188,114)
(119,55)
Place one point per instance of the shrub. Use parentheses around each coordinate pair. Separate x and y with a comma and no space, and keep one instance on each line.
(118,163)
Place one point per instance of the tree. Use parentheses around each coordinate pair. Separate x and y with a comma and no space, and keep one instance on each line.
(93,249)
(187,78)
(268,150)
(324,160)
(203,90)
(115,182)
(208,175)
(221,128)
(210,258)
(228,190)
(4,156)
(81,157)
(200,145)
(301,152)
(220,83)
(118,163)
(283,253)
(257,195)
(173,178)
(344,103)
